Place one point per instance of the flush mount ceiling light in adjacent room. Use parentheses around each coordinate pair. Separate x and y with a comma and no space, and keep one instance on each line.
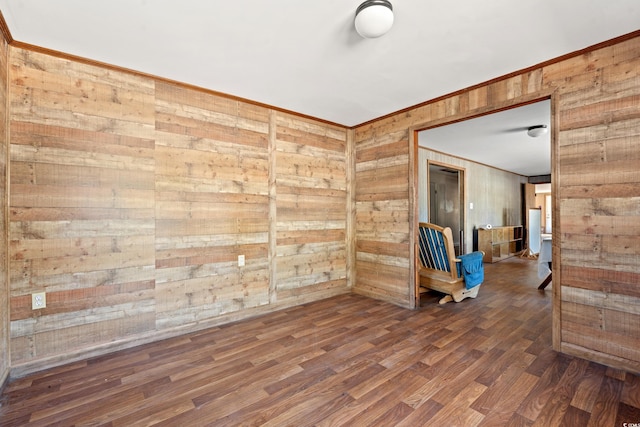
(374,18)
(536,131)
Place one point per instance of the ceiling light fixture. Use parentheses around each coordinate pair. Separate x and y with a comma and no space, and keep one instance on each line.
(374,18)
(536,131)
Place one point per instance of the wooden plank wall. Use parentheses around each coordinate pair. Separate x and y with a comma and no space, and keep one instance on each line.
(82,195)
(596,99)
(4,283)
(311,188)
(599,204)
(131,199)
(212,190)
(383,214)
(95,209)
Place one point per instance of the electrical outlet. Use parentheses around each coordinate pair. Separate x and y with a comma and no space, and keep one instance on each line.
(240,260)
(38,300)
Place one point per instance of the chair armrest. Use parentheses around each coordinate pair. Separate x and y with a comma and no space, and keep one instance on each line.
(459,260)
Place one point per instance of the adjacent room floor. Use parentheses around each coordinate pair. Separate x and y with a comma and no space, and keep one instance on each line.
(349,361)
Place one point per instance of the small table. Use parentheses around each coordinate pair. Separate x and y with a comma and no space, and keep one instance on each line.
(544,261)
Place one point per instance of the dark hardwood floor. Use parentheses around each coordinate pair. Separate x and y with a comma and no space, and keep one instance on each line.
(349,361)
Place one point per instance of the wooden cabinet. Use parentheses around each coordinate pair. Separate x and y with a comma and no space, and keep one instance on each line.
(499,243)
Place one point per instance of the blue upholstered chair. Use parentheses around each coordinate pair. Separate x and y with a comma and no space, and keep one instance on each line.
(440,270)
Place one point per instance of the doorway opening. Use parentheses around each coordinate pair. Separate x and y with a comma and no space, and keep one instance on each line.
(491,157)
(446,200)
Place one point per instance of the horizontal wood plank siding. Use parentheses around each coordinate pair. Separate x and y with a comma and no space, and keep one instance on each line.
(211,206)
(382,214)
(596,214)
(311,210)
(82,225)
(131,200)
(599,199)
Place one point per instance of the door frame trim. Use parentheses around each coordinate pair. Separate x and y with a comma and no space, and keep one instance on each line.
(551,94)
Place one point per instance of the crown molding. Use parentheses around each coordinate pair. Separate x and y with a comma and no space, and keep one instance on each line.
(4,30)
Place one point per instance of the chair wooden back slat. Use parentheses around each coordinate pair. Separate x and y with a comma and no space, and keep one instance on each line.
(436,251)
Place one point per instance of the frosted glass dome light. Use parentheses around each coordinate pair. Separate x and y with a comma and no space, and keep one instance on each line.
(374,18)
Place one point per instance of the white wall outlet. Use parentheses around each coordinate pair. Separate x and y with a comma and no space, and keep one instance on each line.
(471,206)
(38,300)
(240,260)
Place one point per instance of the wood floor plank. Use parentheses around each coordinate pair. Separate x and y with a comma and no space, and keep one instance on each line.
(626,413)
(605,410)
(575,417)
(310,411)
(387,399)
(344,361)
(498,389)
(153,415)
(421,415)
(631,391)
(458,412)
(557,406)
(456,378)
(587,391)
(503,409)
(517,420)
(536,400)
(89,409)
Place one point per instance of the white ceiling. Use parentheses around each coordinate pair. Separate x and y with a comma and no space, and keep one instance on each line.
(305,56)
(499,140)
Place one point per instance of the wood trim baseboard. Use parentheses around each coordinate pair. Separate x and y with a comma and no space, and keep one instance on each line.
(602,358)
(41,364)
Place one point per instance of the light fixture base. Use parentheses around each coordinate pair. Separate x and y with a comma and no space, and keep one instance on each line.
(536,131)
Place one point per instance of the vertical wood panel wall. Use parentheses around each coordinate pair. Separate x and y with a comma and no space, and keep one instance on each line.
(5,356)
(597,187)
(132,198)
